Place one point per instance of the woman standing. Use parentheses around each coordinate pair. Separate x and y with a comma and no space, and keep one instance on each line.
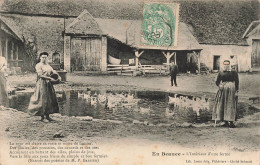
(3,90)
(226,98)
(44,101)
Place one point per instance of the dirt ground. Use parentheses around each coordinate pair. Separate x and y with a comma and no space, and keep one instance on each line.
(19,125)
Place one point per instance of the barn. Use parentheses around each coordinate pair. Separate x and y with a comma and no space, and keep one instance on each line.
(90,42)
(87,36)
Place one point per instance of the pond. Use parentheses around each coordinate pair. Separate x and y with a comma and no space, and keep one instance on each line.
(128,106)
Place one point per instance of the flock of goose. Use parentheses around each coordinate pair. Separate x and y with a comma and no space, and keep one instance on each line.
(111,101)
(195,103)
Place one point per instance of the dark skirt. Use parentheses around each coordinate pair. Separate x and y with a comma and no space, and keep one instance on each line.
(225,103)
(43,101)
(3,91)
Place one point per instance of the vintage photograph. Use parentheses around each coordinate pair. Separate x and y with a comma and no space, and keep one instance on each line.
(130,82)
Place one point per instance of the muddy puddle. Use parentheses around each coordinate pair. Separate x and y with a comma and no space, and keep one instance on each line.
(132,106)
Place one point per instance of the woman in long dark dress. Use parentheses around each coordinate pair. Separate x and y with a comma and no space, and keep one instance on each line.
(44,101)
(226,101)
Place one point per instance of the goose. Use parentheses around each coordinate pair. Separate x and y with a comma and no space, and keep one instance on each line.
(172,99)
(196,106)
(145,110)
(130,98)
(80,95)
(169,112)
(86,96)
(111,104)
(102,98)
(59,95)
(93,101)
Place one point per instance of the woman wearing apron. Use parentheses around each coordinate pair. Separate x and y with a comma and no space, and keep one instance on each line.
(226,98)
(44,102)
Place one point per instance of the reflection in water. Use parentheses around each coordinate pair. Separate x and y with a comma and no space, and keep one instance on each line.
(145,106)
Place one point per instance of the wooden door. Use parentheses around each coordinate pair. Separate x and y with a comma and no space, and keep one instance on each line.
(85,54)
(255,58)
(77,54)
(93,54)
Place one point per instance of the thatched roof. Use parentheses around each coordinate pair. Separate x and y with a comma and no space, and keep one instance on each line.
(123,30)
(212,21)
(12,27)
(47,30)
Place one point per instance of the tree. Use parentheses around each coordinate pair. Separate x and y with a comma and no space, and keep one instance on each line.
(31,53)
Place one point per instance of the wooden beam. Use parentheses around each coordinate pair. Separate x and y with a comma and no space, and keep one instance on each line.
(164,54)
(195,53)
(137,54)
(141,53)
(172,54)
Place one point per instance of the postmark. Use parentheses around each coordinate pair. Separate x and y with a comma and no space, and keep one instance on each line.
(160,24)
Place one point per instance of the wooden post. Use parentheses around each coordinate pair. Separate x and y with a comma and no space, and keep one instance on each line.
(168,56)
(137,55)
(17,49)
(199,61)
(198,56)
(136,59)
(175,61)
(12,53)
(6,50)
(67,53)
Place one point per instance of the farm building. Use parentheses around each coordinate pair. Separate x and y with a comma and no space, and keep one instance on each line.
(11,44)
(252,36)
(90,42)
(106,32)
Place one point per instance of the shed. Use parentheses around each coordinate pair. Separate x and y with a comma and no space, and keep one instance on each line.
(252,35)
(11,45)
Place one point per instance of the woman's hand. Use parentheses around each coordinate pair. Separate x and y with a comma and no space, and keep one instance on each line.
(52,79)
(236,94)
(45,77)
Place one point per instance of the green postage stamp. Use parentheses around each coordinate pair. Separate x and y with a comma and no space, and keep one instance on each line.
(160,24)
